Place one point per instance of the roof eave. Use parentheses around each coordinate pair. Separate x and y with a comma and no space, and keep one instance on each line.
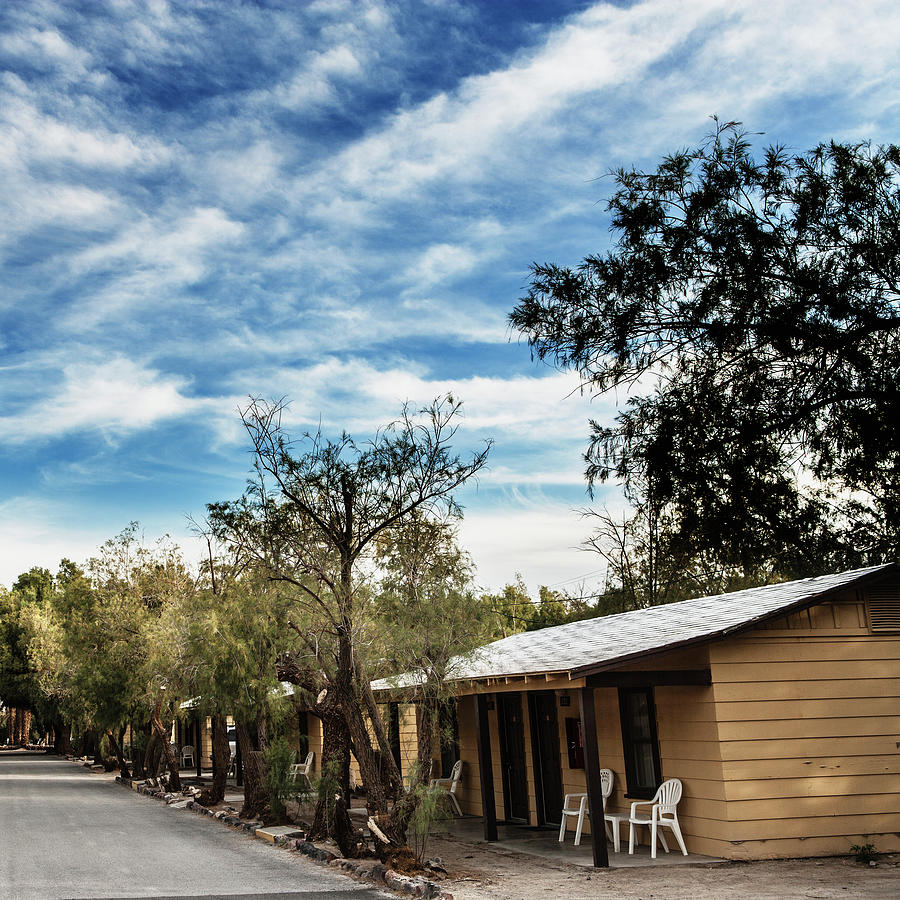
(787,609)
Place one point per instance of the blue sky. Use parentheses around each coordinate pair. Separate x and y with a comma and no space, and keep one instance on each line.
(338,202)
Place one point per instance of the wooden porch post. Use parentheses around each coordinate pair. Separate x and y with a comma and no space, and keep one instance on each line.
(485,767)
(592,777)
(198,745)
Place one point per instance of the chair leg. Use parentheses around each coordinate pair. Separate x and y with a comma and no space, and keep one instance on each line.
(653,839)
(613,830)
(562,828)
(579,827)
(456,804)
(676,828)
(662,839)
(631,838)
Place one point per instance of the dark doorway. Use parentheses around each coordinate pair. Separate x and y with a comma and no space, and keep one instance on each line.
(512,756)
(303,732)
(545,753)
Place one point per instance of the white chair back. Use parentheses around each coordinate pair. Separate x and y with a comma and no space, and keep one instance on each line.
(607,781)
(455,775)
(668,795)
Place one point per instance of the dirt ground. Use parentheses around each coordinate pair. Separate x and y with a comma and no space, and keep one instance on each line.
(479,872)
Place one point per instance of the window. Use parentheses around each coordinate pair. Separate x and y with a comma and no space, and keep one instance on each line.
(575,743)
(641,746)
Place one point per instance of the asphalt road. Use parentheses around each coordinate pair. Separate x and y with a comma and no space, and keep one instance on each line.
(65,832)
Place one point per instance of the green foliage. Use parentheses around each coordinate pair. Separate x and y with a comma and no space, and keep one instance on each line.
(432,806)
(511,610)
(278,758)
(327,788)
(750,309)
(864,853)
(426,611)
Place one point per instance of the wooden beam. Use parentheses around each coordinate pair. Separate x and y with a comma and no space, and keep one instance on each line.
(592,777)
(198,744)
(485,767)
(650,678)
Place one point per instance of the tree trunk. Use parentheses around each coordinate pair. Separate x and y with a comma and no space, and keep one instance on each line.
(426,725)
(163,737)
(220,756)
(117,750)
(150,754)
(86,743)
(62,743)
(331,819)
(256,797)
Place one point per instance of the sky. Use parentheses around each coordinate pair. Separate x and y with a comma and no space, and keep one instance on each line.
(338,203)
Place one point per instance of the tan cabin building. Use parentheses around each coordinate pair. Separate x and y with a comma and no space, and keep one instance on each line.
(777,707)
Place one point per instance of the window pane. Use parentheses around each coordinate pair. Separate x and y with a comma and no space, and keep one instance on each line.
(639,713)
(643,766)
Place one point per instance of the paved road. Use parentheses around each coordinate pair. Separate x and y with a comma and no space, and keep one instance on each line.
(65,832)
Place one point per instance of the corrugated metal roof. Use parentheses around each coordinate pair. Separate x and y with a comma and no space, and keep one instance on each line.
(601,643)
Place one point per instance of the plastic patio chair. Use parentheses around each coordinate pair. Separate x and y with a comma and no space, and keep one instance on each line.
(450,784)
(187,756)
(576,805)
(302,770)
(662,812)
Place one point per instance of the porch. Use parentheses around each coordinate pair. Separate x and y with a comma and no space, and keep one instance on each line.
(544,843)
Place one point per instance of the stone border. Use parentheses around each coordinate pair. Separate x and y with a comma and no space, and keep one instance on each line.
(361,870)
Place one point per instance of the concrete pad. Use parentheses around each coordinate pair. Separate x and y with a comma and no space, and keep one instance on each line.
(269,834)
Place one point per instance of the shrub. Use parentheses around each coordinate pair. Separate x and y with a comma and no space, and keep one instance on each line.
(432,806)
(278,758)
(864,853)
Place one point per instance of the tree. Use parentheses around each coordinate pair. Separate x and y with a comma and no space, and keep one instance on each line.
(428,619)
(512,610)
(312,517)
(751,310)
(19,677)
(235,636)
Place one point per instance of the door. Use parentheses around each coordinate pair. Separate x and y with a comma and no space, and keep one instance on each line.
(512,756)
(545,753)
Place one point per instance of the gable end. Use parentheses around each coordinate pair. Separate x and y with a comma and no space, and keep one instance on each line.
(883,608)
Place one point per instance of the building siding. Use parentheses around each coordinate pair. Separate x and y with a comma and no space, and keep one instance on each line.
(809,719)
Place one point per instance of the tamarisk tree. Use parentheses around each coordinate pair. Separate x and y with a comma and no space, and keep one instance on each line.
(751,308)
(313,515)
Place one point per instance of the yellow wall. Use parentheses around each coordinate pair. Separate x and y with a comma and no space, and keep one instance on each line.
(809,719)
(792,751)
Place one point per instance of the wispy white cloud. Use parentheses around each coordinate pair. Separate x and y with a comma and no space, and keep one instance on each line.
(528,536)
(149,262)
(290,201)
(40,137)
(112,397)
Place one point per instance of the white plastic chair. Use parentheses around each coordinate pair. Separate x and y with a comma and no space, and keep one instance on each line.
(576,805)
(302,770)
(450,784)
(663,812)
(187,756)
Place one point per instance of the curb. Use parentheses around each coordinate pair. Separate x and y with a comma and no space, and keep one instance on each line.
(376,873)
